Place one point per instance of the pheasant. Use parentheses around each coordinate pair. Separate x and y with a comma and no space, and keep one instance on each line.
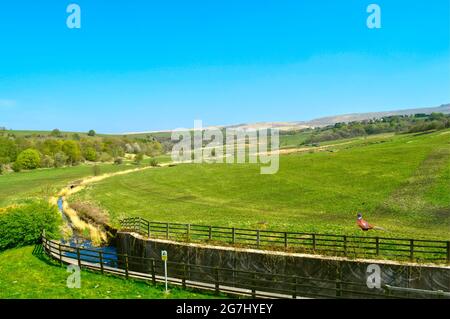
(364,225)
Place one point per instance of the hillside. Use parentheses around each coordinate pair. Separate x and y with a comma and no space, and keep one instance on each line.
(399,182)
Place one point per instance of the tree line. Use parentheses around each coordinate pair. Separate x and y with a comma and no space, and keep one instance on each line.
(58,149)
(398,124)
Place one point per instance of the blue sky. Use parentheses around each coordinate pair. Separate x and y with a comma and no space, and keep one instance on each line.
(153,65)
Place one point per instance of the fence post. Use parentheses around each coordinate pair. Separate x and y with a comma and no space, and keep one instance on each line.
(253,286)
(294,295)
(184,277)
(148,229)
(285,240)
(188,232)
(448,252)
(216,280)
(153,272)
(60,254)
(233,235)
(377,245)
(167,230)
(314,242)
(126,266)
(345,245)
(411,249)
(258,238)
(210,233)
(78,257)
(101,261)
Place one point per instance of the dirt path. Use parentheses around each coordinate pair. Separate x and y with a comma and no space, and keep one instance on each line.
(97,234)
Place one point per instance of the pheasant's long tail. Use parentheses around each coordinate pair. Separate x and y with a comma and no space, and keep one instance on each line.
(379,228)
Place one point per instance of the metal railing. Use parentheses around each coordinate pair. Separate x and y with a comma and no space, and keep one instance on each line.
(420,250)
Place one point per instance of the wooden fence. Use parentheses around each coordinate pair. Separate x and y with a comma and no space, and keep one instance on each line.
(420,250)
(222,280)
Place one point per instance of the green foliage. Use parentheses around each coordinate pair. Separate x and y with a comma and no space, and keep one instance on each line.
(153,162)
(56,133)
(22,225)
(138,158)
(28,159)
(8,150)
(90,154)
(47,161)
(72,150)
(60,159)
(398,124)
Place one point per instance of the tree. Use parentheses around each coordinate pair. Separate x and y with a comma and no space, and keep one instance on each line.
(56,133)
(72,150)
(90,154)
(8,150)
(91,133)
(28,159)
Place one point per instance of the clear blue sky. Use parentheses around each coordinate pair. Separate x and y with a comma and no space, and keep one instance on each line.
(152,65)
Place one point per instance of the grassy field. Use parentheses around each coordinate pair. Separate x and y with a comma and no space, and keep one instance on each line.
(24,275)
(43,182)
(398,182)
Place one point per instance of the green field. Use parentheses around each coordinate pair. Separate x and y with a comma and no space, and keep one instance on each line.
(400,183)
(45,182)
(27,275)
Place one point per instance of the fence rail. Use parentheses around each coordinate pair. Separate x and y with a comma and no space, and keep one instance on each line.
(225,280)
(420,250)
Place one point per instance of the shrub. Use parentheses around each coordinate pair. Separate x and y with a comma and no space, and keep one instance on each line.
(153,162)
(118,161)
(90,154)
(105,157)
(47,161)
(91,133)
(22,225)
(60,159)
(29,159)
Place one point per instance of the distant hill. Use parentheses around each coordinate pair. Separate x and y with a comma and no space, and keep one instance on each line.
(331,120)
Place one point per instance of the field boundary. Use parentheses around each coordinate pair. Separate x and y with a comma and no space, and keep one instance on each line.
(222,280)
(414,250)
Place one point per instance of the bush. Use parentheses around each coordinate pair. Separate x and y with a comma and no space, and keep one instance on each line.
(29,159)
(22,225)
(105,157)
(47,161)
(60,159)
(90,154)
(118,161)
(153,162)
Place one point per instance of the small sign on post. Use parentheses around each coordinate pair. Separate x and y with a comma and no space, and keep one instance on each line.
(164,258)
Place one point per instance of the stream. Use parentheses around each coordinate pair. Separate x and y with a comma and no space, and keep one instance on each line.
(78,241)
